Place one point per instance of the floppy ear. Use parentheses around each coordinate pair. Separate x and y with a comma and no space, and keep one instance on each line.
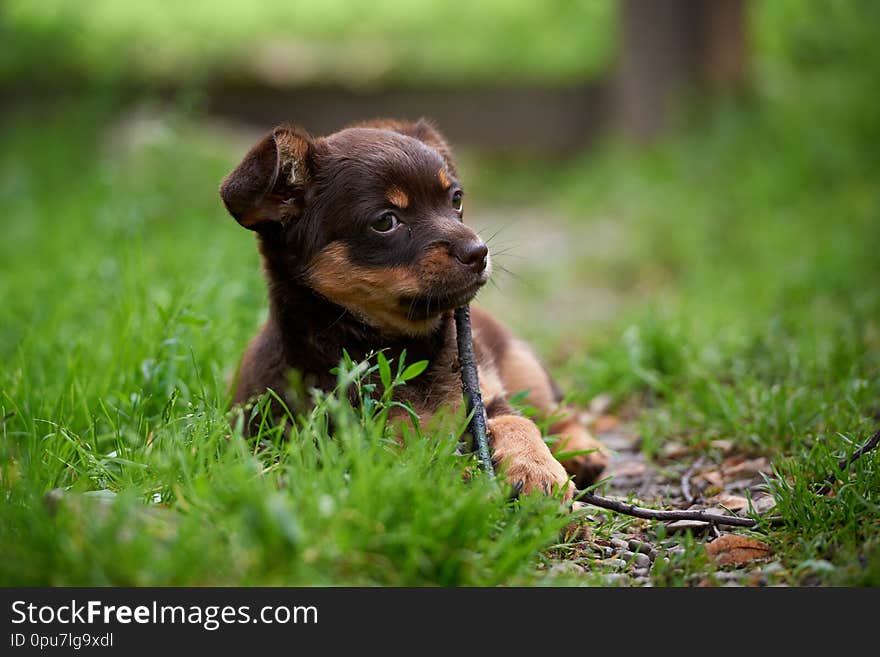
(269,183)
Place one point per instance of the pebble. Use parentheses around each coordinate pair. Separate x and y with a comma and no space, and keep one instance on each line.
(641,560)
(566,568)
(645,548)
(616,578)
(640,573)
(619,543)
(616,563)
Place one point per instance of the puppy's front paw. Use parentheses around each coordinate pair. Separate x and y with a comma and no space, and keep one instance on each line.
(524,458)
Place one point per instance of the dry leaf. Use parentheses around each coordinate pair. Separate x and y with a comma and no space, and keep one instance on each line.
(606,423)
(732,502)
(736,549)
(738,465)
(725,446)
(674,450)
(712,477)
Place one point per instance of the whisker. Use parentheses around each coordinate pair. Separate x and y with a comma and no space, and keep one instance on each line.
(495,234)
(519,279)
(507,253)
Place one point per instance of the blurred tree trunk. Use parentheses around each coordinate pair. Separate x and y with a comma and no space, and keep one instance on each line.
(676,44)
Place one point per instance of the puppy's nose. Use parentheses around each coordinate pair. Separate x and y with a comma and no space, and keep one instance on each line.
(474,255)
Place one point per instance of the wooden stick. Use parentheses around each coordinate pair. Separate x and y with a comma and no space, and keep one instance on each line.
(653,514)
(470,384)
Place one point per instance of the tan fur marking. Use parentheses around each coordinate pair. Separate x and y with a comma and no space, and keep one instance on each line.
(396,196)
(523,456)
(444,179)
(574,437)
(371,294)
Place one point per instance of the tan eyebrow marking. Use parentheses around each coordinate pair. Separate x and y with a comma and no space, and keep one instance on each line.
(398,197)
(444,179)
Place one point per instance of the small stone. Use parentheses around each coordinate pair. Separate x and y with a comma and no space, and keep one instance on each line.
(620,564)
(566,568)
(640,546)
(637,559)
(619,543)
(642,560)
(640,573)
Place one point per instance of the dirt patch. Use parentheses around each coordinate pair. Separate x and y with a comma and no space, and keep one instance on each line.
(632,553)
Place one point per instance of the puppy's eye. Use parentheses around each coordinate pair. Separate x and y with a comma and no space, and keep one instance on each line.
(457,202)
(386,223)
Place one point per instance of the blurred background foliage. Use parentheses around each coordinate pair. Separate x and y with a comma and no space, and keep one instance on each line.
(359,42)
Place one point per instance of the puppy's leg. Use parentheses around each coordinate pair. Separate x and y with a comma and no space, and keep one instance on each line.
(520,370)
(518,449)
(574,437)
(520,453)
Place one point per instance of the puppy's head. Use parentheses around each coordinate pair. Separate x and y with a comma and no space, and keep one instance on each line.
(370,218)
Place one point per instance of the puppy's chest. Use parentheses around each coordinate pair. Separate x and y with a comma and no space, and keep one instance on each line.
(439,385)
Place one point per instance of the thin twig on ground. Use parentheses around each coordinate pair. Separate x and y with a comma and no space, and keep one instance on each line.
(701,515)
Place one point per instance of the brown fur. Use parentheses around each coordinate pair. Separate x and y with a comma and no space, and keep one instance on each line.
(335,282)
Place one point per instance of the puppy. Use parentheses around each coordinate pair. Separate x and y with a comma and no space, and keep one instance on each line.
(364,248)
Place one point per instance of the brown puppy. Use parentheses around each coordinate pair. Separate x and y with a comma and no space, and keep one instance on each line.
(364,249)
